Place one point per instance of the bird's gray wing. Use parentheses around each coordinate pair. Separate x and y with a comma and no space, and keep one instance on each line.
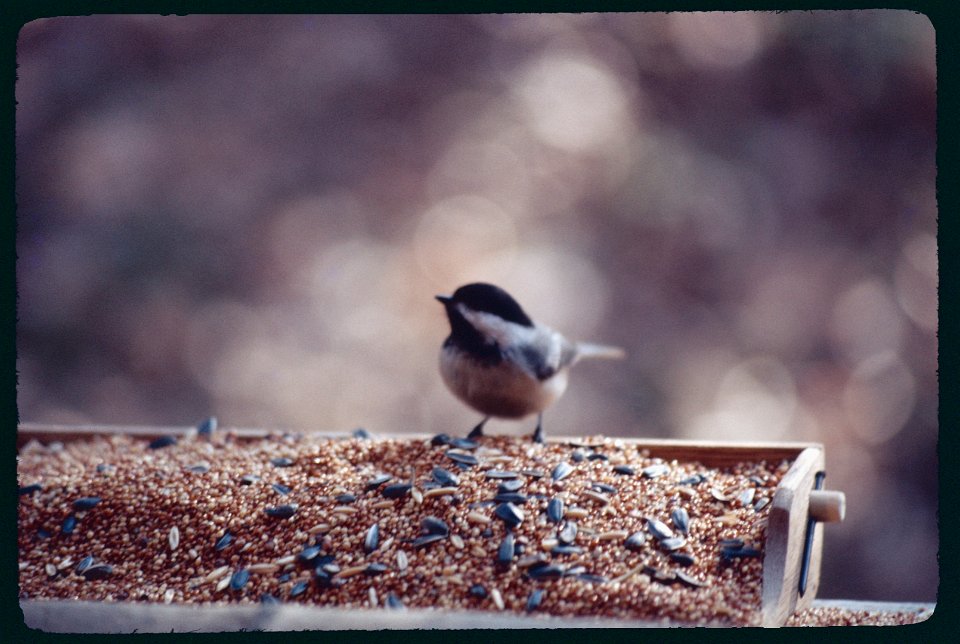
(551,353)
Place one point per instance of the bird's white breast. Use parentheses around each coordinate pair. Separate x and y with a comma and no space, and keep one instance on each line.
(503,390)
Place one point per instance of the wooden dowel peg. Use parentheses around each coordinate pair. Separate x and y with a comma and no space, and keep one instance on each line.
(828,506)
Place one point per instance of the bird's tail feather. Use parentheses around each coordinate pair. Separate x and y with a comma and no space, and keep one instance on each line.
(590,350)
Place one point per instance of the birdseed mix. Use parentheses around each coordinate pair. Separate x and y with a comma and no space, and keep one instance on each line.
(837,616)
(496,524)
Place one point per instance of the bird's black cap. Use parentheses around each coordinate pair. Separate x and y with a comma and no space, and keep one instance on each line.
(488,298)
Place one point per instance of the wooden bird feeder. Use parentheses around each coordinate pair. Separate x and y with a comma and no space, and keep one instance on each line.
(792,552)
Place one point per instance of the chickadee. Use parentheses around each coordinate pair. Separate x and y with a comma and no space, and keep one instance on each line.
(502,363)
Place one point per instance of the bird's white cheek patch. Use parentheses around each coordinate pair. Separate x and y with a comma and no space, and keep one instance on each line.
(503,332)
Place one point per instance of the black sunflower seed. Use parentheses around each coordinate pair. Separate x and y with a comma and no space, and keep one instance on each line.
(345,498)
(462,459)
(555,510)
(198,468)
(281,461)
(672,543)
(361,434)
(537,559)
(624,469)
(98,571)
(568,533)
(445,477)
(731,543)
(578,455)
(534,474)
(426,540)
(734,553)
(298,588)
(500,474)
(511,485)
(308,554)
(689,580)
(478,591)
(393,602)
(372,539)
(396,490)
(561,471)
(441,439)
(223,541)
(746,497)
(696,479)
(603,487)
(435,525)
(282,511)
(86,503)
(761,504)
(377,481)
(249,479)
(635,541)
(43,533)
(659,529)
(239,579)
(280,488)
(326,562)
(30,489)
(322,578)
(84,563)
(546,571)
(655,470)
(597,456)
(68,525)
(681,519)
(510,497)
(207,426)
(163,441)
(269,599)
(509,514)
(683,558)
(463,443)
(376,568)
(534,600)
(566,549)
(329,568)
(506,550)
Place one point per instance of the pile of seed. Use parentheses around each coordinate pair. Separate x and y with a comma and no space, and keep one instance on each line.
(498,524)
(836,616)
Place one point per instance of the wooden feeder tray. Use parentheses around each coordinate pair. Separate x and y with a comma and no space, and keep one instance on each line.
(794,535)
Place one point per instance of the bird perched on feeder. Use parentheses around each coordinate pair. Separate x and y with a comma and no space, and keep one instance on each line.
(502,363)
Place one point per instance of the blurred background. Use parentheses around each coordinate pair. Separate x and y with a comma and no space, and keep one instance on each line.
(248,217)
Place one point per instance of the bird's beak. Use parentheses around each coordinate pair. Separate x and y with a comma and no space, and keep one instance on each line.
(444,299)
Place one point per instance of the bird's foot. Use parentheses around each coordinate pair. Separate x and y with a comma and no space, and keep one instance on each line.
(538,432)
(477,431)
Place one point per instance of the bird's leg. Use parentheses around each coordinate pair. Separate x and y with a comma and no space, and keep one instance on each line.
(538,432)
(477,431)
